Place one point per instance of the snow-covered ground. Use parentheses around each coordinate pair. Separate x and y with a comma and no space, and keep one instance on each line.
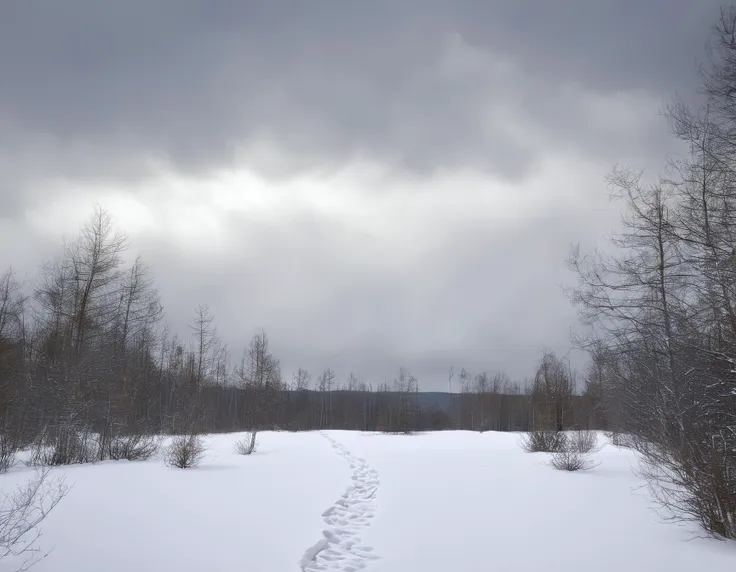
(343,501)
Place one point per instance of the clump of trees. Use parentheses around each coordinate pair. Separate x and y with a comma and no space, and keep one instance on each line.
(404,416)
(551,394)
(88,371)
(662,304)
(488,402)
(551,398)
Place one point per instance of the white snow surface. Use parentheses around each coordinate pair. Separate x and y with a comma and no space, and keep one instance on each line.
(346,502)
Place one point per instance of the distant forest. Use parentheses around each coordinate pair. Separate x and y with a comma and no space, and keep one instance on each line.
(391,411)
(85,349)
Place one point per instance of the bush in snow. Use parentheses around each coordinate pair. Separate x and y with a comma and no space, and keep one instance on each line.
(696,483)
(247,445)
(185,451)
(574,454)
(64,445)
(9,447)
(584,441)
(620,440)
(135,447)
(543,441)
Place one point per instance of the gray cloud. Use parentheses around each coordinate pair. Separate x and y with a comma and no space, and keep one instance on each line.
(191,81)
(107,94)
(487,296)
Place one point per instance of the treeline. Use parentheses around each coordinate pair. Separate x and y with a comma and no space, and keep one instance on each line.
(484,403)
(87,352)
(662,303)
(381,410)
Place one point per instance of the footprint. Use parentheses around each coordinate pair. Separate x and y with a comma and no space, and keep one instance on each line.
(340,549)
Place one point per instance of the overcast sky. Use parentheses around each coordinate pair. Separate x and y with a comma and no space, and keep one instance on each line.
(374,183)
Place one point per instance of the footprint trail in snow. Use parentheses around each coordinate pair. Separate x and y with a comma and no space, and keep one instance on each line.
(340,549)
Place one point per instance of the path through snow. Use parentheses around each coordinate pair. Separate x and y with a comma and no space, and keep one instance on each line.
(340,549)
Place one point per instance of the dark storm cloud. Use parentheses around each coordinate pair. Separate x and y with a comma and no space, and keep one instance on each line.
(94,89)
(604,44)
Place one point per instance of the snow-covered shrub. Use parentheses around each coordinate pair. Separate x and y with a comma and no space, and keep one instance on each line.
(575,452)
(247,445)
(695,483)
(620,440)
(9,447)
(584,441)
(134,447)
(64,445)
(185,451)
(543,441)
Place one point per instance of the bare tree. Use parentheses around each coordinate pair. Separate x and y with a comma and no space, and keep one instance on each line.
(467,411)
(139,306)
(551,394)
(13,369)
(480,400)
(260,376)
(301,380)
(21,514)
(12,306)
(95,259)
(324,386)
(407,387)
(662,305)
(205,336)
(600,402)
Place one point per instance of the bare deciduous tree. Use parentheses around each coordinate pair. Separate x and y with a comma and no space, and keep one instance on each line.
(95,259)
(21,514)
(407,411)
(205,336)
(324,386)
(260,376)
(551,394)
(302,380)
(663,305)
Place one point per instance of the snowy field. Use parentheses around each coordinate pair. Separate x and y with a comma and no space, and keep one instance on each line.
(341,501)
